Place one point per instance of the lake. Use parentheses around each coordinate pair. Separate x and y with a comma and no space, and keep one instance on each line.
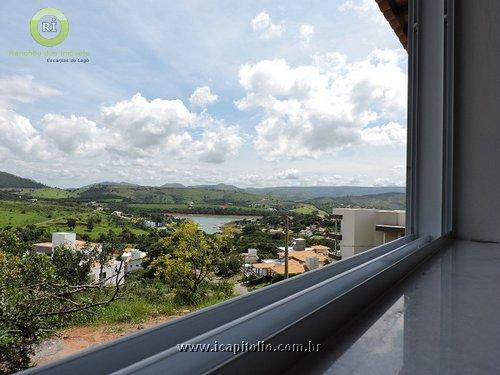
(212,223)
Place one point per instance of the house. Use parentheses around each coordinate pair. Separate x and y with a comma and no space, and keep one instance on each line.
(306,232)
(294,268)
(133,259)
(151,224)
(319,249)
(302,256)
(43,247)
(310,257)
(278,231)
(69,240)
(299,261)
(299,244)
(63,239)
(108,274)
(263,269)
(250,257)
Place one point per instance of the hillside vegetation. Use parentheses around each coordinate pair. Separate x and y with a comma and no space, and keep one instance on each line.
(8,180)
(302,193)
(385,201)
(165,195)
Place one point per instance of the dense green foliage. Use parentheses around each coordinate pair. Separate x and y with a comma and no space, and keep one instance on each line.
(36,292)
(8,180)
(190,257)
(385,201)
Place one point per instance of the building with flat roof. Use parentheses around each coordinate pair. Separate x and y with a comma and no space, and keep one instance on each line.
(364,228)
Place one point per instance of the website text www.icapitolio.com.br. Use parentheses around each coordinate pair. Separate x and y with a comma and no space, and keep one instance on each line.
(244,346)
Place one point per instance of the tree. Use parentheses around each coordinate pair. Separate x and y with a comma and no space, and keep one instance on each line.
(72,265)
(24,284)
(71,223)
(34,291)
(229,265)
(231,261)
(11,243)
(90,225)
(194,258)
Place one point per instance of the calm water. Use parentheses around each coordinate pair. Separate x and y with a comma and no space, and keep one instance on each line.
(212,223)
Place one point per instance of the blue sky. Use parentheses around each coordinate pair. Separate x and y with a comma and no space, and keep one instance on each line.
(287,93)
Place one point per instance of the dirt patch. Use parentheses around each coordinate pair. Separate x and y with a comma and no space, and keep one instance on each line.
(72,340)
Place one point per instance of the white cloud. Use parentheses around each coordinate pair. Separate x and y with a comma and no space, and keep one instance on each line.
(384,135)
(149,128)
(202,97)
(314,109)
(395,176)
(358,5)
(363,7)
(137,129)
(216,145)
(140,126)
(73,135)
(268,30)
(18,138)
(289,174)
(388,182)
(306,32)
(327,180)
(250,178)
(22,88)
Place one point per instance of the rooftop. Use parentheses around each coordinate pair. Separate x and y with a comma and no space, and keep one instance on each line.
(294,268)
(396,13)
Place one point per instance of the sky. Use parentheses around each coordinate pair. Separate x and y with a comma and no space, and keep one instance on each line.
(249,93)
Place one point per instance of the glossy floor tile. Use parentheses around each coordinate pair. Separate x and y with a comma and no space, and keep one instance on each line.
(443,319)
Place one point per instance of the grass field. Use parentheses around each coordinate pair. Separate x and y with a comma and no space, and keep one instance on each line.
(53,218)
(99,228)
(23,213)
(48,193)
(308,209)
(141,300)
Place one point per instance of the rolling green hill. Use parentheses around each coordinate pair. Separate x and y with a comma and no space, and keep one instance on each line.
(385,201)
(224,187)
(303,193)
(165,195)
(8,180)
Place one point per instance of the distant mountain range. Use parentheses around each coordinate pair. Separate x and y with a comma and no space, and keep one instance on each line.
(294,193)
(224,187)
(173,185)
(299,193)
(8,180)
(383,201)
(110,183)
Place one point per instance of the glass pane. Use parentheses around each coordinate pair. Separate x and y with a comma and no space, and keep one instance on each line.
(160,157)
